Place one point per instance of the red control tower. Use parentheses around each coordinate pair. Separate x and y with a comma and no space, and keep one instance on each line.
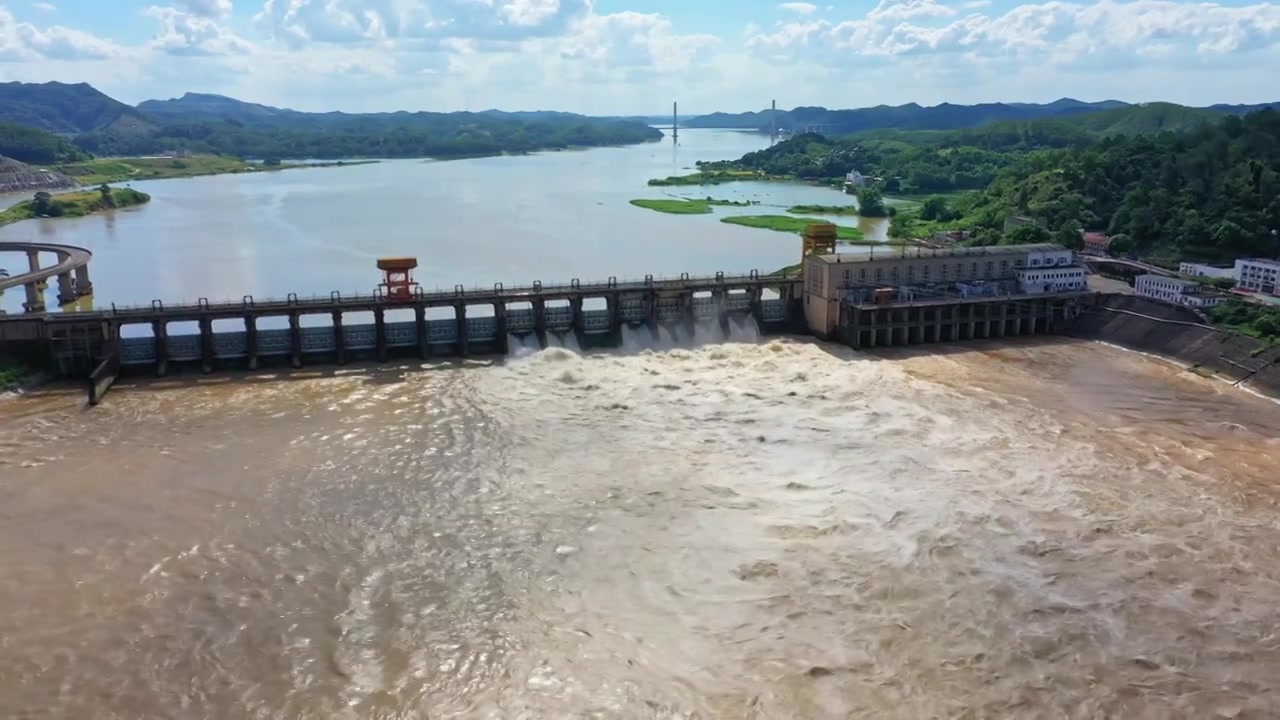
(397,277)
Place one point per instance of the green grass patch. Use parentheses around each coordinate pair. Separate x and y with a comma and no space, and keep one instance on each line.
(824,209)
(788,224)
(70,205)
(688,206)
(715,177)
(115,170)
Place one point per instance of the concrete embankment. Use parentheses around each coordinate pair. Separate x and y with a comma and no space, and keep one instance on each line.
(16,177)
(1180,334)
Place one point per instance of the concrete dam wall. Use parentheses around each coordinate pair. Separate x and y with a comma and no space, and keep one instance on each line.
(1180,334)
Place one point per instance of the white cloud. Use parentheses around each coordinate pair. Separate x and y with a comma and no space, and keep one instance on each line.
(183,33)
(1057,31)
(44,6)
(207,8)
(563,54)
(802,8)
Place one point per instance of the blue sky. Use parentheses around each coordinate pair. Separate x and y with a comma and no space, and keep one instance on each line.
(635,56)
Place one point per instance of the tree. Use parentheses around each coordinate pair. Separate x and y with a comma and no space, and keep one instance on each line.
(871,202)
(42,205)
(1070,235)
(1121,245)
(1029,234)
(936,208)
(107,199)
(901,227)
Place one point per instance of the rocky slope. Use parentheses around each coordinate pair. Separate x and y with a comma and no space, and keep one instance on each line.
(16,177)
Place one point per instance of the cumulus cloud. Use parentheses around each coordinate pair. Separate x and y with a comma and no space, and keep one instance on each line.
(183,33)
(44,6)
(206,8)
(1057,30)
(566,54)
(368,21)
(803,8)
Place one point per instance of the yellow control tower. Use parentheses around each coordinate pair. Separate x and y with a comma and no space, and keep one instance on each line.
(818,239)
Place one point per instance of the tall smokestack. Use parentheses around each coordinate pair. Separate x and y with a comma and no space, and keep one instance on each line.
(675,132)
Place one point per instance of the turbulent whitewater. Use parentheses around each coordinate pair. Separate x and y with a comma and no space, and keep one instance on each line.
(772,529)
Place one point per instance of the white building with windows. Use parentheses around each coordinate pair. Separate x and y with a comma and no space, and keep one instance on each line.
(1174,290)
(1258,275)
(1056,278)
(855,178)
(1191,270)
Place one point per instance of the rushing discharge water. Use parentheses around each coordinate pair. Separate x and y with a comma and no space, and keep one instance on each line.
(776,529)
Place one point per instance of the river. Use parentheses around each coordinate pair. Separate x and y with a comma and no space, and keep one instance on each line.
(775,528)
(549,217)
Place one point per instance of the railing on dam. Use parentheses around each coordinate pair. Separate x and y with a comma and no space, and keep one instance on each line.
(496,293)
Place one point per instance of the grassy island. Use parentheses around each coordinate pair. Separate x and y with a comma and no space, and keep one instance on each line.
(114,170)
(688,206)
(76,204)
(714,177)
(794,225)
(823,209)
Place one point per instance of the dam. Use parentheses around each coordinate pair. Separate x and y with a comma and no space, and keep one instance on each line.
(863,301)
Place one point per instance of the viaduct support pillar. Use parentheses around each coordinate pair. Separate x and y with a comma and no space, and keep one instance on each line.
(500,327)
(83,286)
(206,345)
(251,340)
(540,321)
(424,336)
(66,289)
(35,291)
(339,339)
(460,317)
(380,334)
(295,340)
(160,333)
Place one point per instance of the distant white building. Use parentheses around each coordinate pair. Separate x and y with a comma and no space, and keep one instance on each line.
(1051,279)
(1174,290)
(1191,270)
(855,178)
(1258,275)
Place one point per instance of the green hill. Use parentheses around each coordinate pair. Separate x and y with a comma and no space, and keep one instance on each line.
(62,108)
(37,147)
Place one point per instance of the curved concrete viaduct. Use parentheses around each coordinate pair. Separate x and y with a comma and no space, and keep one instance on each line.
(72,260)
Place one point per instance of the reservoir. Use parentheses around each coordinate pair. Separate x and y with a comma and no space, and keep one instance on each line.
(550,217)
(763,528)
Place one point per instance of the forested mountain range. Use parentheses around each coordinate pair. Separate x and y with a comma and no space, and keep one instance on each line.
(955,117)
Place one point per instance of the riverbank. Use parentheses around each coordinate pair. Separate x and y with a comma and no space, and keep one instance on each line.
(115,170)
(72,205)
(1178,334)
(717,177)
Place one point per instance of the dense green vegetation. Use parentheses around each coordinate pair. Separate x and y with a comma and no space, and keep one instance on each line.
(688,206)
(77,204)
(37,147)
(1211,193)
(11,373)
(715,177)
(788,224)
(1260,321)
(1123,118)
(215,125)
(94,172)
(823,209)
